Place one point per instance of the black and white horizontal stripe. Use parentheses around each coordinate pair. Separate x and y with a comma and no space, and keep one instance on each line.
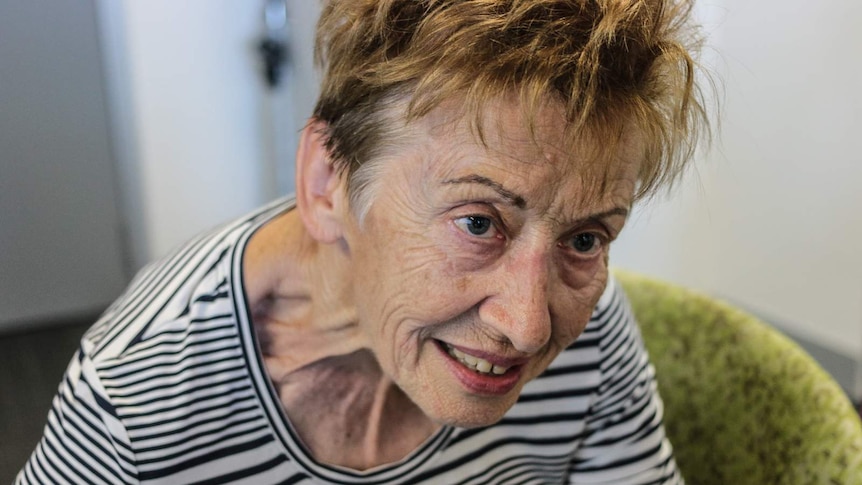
(169,387)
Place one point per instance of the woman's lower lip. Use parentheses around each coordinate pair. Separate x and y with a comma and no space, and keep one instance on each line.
(478,383)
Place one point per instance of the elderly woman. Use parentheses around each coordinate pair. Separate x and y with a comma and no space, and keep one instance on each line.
(434,305)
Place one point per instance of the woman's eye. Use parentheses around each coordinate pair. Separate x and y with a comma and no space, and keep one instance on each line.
(586,243)
(478,226)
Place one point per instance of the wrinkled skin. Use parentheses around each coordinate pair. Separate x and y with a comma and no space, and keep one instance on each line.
(523,288)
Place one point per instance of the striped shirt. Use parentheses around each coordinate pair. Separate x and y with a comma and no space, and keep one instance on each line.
(169,387)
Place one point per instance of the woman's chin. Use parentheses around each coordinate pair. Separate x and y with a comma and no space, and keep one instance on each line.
(476,421)
(463,413)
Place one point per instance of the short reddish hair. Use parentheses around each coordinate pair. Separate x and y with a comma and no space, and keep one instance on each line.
(610,64)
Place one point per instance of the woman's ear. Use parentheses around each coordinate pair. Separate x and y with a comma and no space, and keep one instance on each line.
(320,191)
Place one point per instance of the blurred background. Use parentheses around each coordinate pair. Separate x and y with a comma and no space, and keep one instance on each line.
(128,126)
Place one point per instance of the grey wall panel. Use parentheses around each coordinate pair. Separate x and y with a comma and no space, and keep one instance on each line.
(60,241)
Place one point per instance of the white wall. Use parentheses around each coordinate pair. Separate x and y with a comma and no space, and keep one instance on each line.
(195,107)
(773,219)
(305,80)
(287,108)
(199,137)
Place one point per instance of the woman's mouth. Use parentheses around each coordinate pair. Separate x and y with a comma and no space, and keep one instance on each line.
(478,364)
(482,373)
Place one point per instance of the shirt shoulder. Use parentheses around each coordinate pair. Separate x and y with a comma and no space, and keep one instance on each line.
(199,281)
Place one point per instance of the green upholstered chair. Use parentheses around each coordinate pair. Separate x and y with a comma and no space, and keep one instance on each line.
(743,403)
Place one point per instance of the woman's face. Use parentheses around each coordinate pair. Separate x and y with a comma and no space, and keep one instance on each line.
(474,267)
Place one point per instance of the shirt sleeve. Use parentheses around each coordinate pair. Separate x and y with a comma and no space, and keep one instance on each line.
(83,440)
(625,441)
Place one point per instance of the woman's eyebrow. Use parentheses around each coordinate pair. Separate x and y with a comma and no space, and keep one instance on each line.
(512,197)
(616,211)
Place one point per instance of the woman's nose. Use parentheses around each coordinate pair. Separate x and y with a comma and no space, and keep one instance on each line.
(518,308)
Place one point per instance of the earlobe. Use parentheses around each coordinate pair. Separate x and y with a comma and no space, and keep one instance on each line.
(319,187)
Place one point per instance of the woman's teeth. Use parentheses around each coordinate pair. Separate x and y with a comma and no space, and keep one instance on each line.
(477,364)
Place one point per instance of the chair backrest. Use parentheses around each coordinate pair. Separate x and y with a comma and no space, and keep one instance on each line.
(743,403)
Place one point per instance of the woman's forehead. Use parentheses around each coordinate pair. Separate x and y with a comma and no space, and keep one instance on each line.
(506,128)
(511,164)
(508,138)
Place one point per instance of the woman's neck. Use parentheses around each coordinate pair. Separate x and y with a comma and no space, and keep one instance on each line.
(299,295)
(349,414)
(331,387)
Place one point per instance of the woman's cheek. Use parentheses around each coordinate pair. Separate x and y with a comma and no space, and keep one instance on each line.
(583,274)
(466,252)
